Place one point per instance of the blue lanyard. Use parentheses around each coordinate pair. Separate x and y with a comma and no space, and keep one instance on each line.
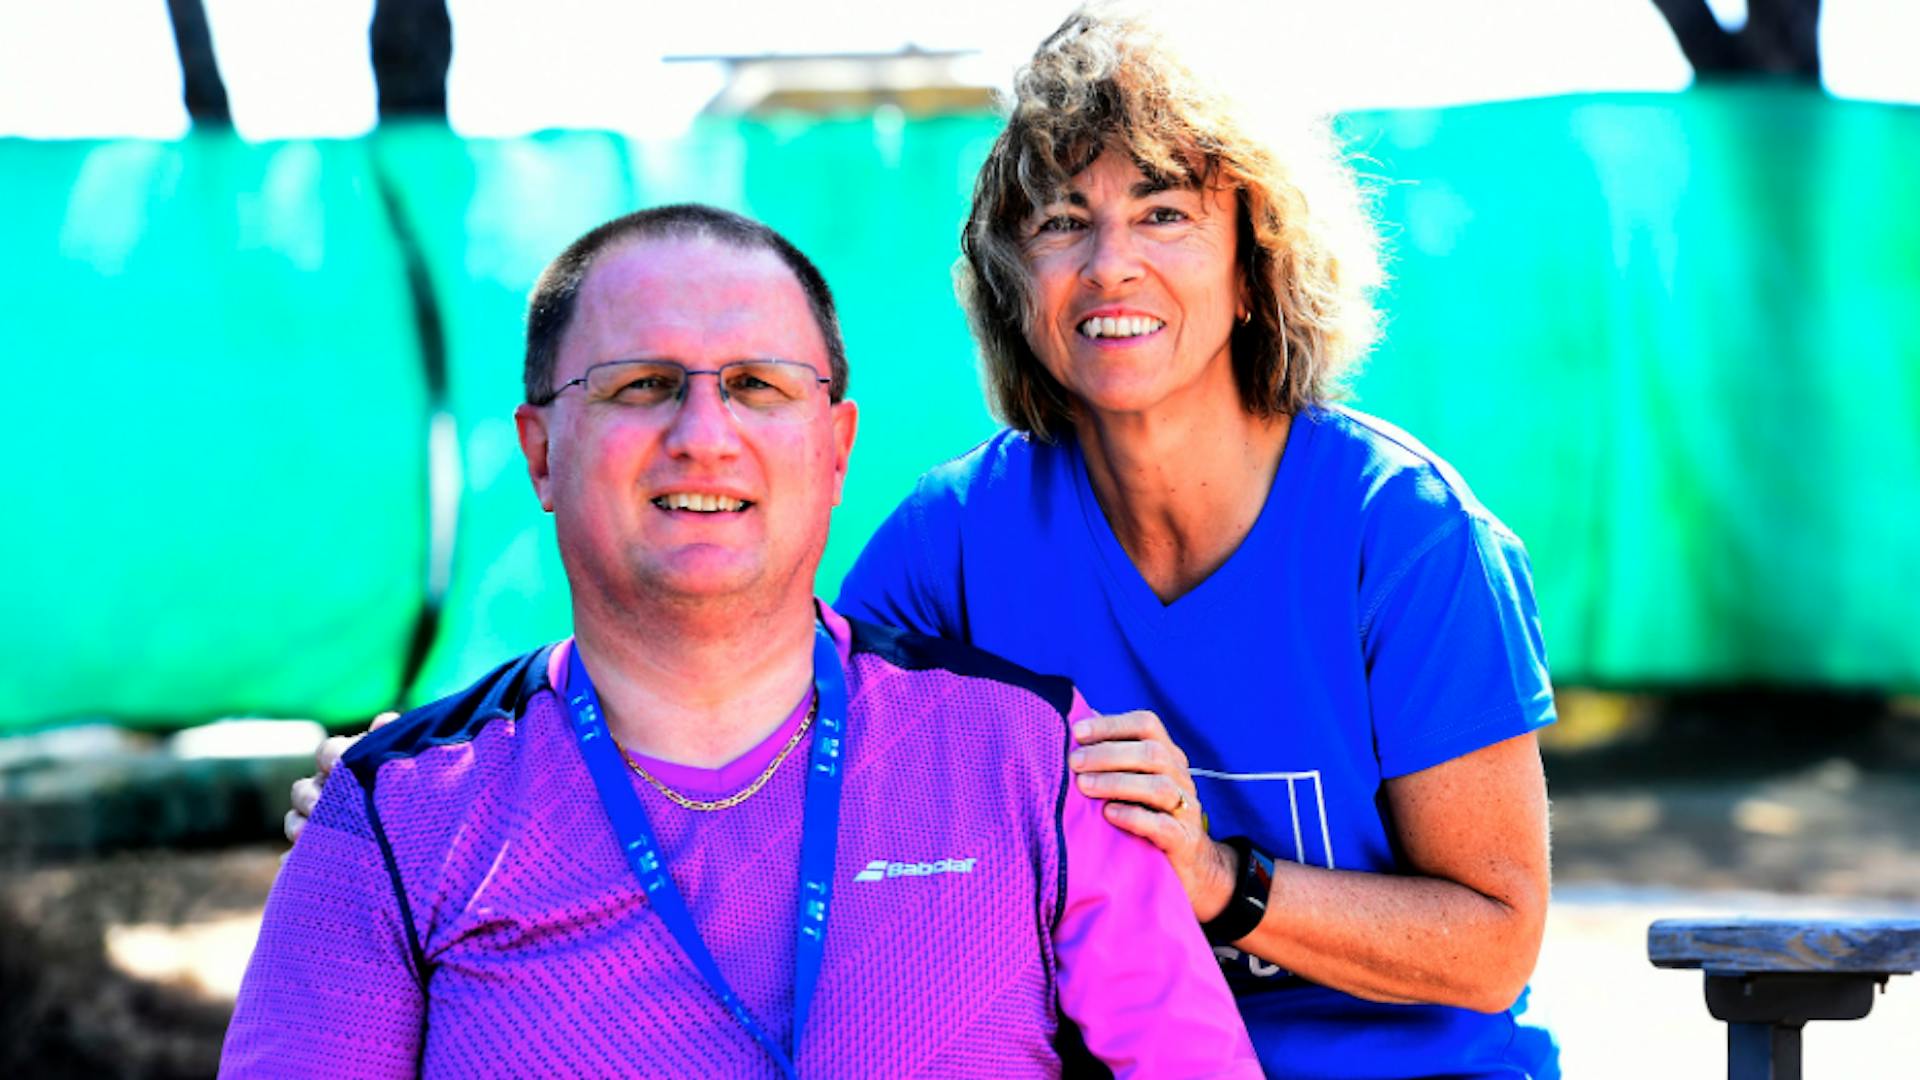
(819,829)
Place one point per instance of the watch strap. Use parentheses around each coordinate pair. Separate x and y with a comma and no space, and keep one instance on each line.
(1252,884)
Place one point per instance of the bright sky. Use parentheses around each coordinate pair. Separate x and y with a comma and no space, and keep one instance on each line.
(299,68)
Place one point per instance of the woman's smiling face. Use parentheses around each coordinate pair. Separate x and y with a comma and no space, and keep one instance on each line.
(1135,289)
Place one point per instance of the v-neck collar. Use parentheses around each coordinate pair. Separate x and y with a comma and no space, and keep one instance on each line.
(1229,578)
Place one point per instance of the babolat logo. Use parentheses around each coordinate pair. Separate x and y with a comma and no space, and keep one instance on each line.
(881,869)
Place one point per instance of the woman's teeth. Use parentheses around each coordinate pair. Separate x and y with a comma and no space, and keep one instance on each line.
(703,504)
(1123,326)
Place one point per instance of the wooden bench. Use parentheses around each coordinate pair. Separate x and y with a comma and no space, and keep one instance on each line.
(1767,977)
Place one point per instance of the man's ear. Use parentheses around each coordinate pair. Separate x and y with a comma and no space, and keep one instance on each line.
(846,421)
(531,422)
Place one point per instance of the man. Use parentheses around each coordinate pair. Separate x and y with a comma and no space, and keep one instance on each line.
(600,858)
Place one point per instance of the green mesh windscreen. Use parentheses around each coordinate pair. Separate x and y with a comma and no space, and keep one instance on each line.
(1672,340)
(214,501)
(1675,343)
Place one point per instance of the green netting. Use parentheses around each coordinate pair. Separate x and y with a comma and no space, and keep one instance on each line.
(1671,339)
(1674,342)
(215,501)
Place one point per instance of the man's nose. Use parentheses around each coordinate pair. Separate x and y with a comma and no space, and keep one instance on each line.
(703,423)
(1113,256)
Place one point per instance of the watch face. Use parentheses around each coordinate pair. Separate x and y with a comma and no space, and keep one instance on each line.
(1258,878)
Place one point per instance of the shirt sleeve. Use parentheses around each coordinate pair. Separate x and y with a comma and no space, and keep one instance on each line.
(1455,656)
(908,575)
(331,989)
(1135,971)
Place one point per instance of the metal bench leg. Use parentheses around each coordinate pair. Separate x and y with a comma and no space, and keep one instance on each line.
(1763,1052)
(1765,1011)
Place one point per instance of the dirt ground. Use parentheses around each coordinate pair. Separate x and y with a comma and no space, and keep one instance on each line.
(84,999)
(125,964)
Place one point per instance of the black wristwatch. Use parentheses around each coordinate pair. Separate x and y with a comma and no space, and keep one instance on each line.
(1252,882)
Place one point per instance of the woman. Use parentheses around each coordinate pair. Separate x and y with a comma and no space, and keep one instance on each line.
(1333,647)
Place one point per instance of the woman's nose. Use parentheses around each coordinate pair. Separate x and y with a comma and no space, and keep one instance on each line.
(1113,257)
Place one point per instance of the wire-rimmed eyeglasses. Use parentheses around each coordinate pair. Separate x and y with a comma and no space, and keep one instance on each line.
(753,390)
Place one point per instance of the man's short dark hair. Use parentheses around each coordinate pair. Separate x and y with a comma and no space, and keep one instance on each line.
(550,309)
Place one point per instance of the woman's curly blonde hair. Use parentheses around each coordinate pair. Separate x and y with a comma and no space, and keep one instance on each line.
(1306,247)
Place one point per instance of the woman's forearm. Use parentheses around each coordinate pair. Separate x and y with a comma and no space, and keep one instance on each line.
(1399,939)
(1461,925)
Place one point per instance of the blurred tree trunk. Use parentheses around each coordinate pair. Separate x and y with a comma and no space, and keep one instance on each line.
(205,91)
(1782,37)
(412,45)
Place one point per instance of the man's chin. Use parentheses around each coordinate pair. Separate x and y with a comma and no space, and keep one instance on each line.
(703,575)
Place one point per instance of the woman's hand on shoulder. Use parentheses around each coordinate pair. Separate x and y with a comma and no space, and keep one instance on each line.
(306,790)
(1130,762)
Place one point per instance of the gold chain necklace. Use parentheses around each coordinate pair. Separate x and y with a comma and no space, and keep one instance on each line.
(738,797)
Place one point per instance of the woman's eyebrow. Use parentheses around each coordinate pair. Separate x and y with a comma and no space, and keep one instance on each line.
(1152,185)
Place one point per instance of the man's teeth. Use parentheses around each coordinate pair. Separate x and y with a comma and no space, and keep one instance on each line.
(705,504)
(1123,326)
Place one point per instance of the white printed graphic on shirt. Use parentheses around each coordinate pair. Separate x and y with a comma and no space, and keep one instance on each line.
(1306,810)
(1305,799)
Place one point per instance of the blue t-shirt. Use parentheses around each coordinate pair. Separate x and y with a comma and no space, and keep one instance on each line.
(1376,621)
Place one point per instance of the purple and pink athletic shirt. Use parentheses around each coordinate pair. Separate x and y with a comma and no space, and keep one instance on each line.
(458,904)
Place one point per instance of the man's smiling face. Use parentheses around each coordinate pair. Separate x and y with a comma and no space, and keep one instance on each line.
(702,500)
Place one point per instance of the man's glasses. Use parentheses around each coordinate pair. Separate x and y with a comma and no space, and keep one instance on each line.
(781,391)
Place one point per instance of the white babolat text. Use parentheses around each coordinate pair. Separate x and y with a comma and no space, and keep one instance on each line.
(881,869)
